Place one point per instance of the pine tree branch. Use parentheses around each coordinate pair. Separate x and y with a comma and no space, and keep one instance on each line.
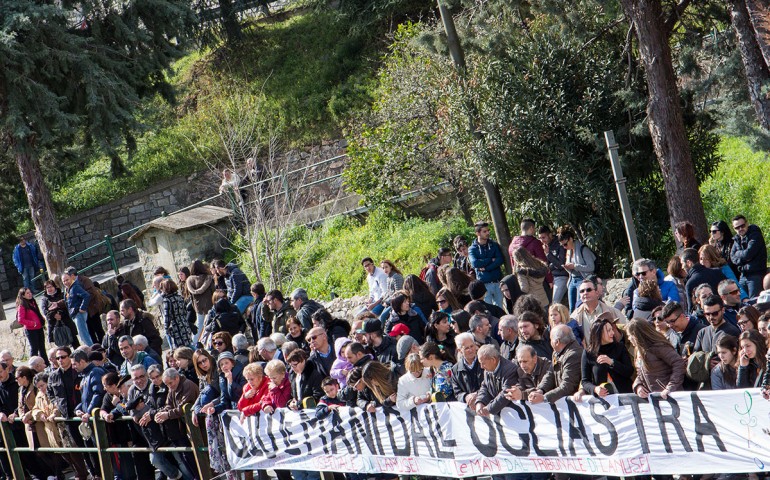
(675,15)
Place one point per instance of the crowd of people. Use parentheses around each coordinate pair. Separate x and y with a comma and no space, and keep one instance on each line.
(459,331)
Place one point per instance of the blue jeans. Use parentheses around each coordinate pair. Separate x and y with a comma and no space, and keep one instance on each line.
(559,288)
(199,324)
(377,310)
(494,294)
(303,475)
(572,291)
(81,321)
(751,283)
(27,274)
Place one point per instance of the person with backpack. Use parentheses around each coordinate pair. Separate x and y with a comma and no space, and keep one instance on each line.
(580,262)
(429,273)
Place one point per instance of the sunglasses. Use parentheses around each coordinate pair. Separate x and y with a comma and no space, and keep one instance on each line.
(62,357)
(714,231)
(641,274)
(740,227)
(712,314)
(312,339)
(734,292)
(585,290)
(218,343)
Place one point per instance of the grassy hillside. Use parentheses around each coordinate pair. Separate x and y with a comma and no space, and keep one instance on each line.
(298,77)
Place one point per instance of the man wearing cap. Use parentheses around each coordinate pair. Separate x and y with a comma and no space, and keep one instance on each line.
(398,331)
(322,354)
(384,347)
(98,358)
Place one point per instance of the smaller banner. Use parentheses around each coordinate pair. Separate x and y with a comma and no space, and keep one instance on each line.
(622,435)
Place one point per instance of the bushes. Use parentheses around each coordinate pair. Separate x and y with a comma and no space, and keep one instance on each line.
(739,186)
(329,258)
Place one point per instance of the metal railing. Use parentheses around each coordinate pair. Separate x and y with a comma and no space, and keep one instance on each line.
(109,241)
(103,450)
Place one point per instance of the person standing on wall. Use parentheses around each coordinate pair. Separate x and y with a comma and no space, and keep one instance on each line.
(27,263)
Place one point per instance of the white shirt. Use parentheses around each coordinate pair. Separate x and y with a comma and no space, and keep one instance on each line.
(378,284)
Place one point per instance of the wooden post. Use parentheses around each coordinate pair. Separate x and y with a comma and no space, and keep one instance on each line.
(10,448)
(102,443)
(199,445)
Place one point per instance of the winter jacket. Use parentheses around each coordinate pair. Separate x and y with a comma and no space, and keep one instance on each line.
(466,380)
(175,320)
(98,303)
(488,257)
(528,382)
(492,391)
(323,362)
(534,247)
(595,373)
(643,307)
(225,317)
(322,410)
(17,256)
(139,358)
(250,406)
(77,298)
(699,274)
(305,312)
(663,368)
(230,393)
(749,253)
(584,260)
(309,383)
(531,282)
(261,319)
(143,324)
(277,396)
(237,283)
(30,318)
(564,379)
(410,387)
(281,316)
(91,389)
(556,258)
(385,352)
(341,363)
(201,287)
(431,275)
(61,390)
(411,320)
(668,291)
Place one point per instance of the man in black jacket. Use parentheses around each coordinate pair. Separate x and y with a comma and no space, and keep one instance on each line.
(115,330)
(686,328)
(384,346)
(749,255)
(138,322)
(698,274)
(304,306)
(467,373)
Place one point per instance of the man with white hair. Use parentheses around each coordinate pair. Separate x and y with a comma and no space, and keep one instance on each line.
(37,364)
(241,348)
(267,348)
(531,371)
(508,329)
(564,379)
(304,306)
(499,376)
(467,373)
(7,358)
(141,344)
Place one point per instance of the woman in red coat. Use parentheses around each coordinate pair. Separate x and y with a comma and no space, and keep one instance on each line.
(254,390)
(29,316)
(279,391)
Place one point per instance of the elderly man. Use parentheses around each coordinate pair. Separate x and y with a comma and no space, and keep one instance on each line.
(322,354)
(564,379)
(141,344)
(304,306)
(37,364)
(499,376)
(467,373)
(508,328)
(181,392)
(131,356)
(531,371)
(138,322)
(480,328)
(268,350)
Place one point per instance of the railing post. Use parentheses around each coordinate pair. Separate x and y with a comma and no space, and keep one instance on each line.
(102,443)
(111,253)
(200,446)
(10,448)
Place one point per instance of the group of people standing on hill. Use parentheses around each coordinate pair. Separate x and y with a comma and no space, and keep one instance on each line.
(458,330)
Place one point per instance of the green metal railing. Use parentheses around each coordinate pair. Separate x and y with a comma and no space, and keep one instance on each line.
(109,241)
(103,451)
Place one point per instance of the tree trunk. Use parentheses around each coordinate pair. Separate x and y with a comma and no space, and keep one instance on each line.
(47,231)
(757,72)
(117,167)
(230,21)
(759,13)
(665,116)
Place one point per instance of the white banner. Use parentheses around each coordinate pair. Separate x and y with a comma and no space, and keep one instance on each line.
(688,433)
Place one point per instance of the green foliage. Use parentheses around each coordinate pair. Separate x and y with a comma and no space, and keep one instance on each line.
(740,185)
(329,258)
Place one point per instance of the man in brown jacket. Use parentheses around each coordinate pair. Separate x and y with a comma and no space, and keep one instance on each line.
(181,392)
(564,379)
(531,371)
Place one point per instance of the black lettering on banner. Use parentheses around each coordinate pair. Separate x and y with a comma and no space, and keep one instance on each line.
(359,431)
(673,419)
(322,427)
(418,434)
(252,432)
(283,428)
(370,420)
(391,414)
(240,450)
(269,452)
(488,449)
(704,428)
(519,452)
(270,435)
(437,433)
(577,429)
(559,433)
(535,446)
(613,445)
(633,401)
(337,432)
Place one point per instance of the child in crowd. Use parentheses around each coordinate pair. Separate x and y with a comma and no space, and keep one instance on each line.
(329,402)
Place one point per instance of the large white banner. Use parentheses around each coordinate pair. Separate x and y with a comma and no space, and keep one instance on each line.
(687,433)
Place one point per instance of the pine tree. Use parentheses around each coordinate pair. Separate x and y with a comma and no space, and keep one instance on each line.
(78,68)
